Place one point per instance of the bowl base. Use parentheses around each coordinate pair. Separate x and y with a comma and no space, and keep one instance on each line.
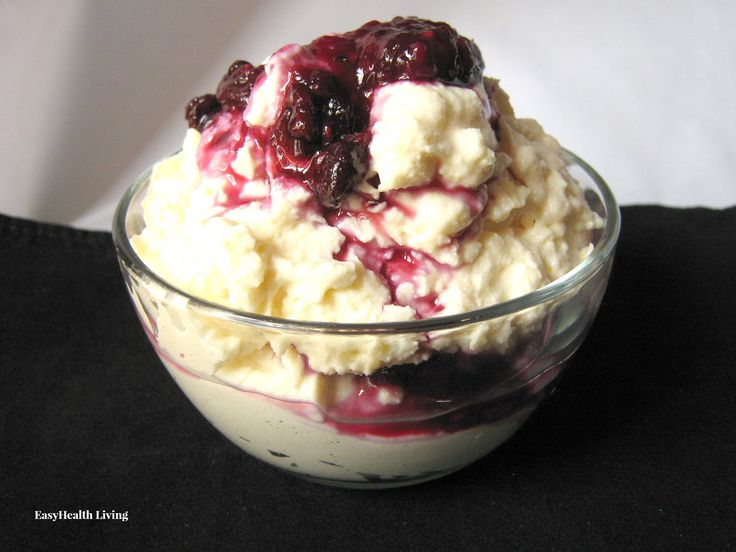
(377,484)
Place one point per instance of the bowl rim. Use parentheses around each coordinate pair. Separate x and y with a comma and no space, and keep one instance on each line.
(602,252)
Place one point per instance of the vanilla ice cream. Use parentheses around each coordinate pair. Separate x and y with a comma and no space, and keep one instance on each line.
(371,177)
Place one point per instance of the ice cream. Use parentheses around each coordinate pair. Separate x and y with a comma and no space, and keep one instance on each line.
(370,177)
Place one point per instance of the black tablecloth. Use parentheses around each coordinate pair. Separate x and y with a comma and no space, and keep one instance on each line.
(636,450)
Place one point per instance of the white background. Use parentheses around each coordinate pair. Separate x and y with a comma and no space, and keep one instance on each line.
(93,92)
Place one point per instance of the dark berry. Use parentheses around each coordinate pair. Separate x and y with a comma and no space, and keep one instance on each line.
(237,84)
(469,61)
(322,84)
(295,135)
(336,170)
(302,121)
(314,114)
(337,119)
(291,153)
(336,111)
(200,110)
(415,49)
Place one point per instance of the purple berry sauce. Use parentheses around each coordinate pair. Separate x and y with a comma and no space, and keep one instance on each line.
(322,132)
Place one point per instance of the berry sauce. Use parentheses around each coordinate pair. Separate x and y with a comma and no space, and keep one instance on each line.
(448,392)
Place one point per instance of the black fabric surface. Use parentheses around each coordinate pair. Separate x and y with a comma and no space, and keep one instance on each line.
(636,450)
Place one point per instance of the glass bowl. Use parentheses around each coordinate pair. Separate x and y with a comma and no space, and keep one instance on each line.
(401,425)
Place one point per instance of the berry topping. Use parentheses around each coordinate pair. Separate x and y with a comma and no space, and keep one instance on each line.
(302,122)
(201,109)
(321,83)
(337,116)
(337,119)
(338,169)
(237,84)
(415,49)
(295,132)
(319,111)
(326,103)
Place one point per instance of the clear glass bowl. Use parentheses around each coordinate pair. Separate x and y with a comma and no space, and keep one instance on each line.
(403,425)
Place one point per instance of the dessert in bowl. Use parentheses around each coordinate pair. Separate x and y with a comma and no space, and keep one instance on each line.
(361,267)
